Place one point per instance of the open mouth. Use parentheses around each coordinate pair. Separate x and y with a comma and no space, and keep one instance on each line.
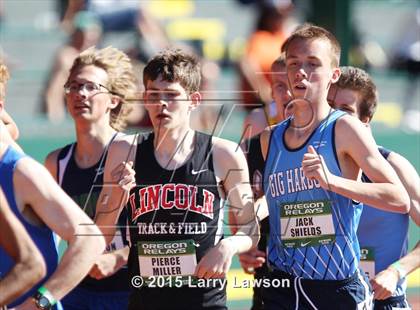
(163,116)
(82,107)
(300,86)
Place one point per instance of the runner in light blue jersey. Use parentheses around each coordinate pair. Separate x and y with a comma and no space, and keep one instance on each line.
(314,230)
(356,94)
(310,181)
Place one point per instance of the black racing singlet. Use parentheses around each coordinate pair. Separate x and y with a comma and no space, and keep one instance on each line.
(175,217)
(84,187)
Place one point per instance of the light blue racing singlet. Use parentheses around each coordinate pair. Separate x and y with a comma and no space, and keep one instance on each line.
(375,227)
(42,236)
(312,230)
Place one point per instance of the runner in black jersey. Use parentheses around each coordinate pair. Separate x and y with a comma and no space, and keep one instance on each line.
(94,93)
(178,256)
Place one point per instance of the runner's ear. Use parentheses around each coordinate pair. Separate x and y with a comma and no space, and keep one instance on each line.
(195,98)
(335,75)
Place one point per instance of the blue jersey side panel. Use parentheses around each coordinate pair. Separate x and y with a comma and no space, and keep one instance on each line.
(375,227)
(42,236)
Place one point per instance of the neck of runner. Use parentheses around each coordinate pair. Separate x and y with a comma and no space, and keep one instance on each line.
(173,148)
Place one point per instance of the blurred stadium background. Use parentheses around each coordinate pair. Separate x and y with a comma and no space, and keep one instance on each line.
(30,34)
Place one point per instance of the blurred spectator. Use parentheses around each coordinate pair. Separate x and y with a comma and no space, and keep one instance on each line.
(1,11)
(122,15)
(262,49)
(208,116)
(87,32)
(407,57)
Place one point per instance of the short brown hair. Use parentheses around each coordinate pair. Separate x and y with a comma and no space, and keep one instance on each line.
(359,80)
(309,31)
(174,66)
(121,77)
(4,76)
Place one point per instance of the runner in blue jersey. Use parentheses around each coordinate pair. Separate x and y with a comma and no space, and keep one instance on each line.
(356,94)
(254,261)
(96,89)
(29,266)
(42,207)
(310,181)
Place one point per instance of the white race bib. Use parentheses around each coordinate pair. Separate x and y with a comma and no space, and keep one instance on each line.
(367,261)
(166,259)
(306,224)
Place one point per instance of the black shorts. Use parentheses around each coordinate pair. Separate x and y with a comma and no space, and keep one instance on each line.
(183,298)
(351,293)
(390,303)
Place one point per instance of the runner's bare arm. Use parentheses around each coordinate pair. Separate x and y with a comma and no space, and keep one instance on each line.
(109,263)
(29,265)
(354,141)
(231,168)
(10,125)
(385,282)
(411,181)
(118,180)
(51,163)
(6,138)
(63,216)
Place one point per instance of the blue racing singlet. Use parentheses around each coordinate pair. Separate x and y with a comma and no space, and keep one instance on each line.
(375,227)
(312,230)
(42,236)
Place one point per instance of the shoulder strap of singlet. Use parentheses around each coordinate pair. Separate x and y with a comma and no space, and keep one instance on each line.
(103,158)
(63,160)
(204,141)
(140,138)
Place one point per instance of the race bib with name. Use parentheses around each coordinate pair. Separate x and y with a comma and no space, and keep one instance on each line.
(367,261)
(167,259)
(306,224)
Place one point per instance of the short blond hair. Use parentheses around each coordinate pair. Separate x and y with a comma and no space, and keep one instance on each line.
(4,76)
(121,78)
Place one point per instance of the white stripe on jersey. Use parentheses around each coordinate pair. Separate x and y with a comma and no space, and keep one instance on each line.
(62,165)
(219,231)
